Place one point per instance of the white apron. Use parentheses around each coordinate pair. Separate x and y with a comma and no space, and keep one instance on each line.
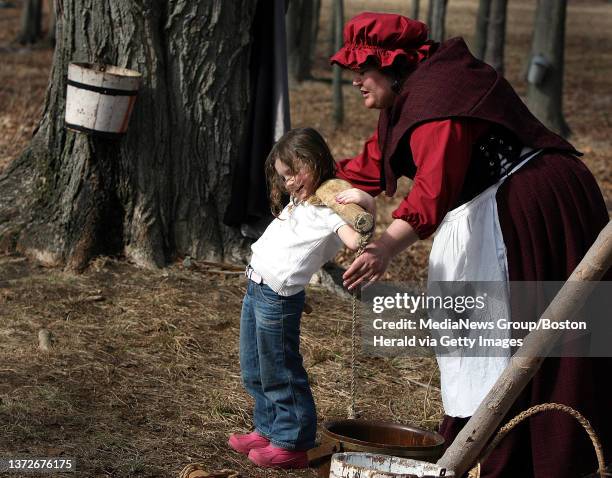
(469,246)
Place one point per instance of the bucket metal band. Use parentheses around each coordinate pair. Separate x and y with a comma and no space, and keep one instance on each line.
(95,132)
(102,90)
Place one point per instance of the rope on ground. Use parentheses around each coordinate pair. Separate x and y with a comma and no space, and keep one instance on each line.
(197,470)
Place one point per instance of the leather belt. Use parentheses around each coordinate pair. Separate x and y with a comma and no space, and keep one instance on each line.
(252,275)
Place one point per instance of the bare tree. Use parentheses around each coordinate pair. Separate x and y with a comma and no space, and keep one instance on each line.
(302,17)
(496,35)
(31,22)
(161,190)
(545,91)
(315,29)
(50,38)
(337,77)
(332,31)
(414,9)
(438,19)
(482,25)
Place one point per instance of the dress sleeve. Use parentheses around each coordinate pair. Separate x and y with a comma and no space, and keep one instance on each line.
(363,171)
(441,152)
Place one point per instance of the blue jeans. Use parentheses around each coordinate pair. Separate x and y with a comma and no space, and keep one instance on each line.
(272,369)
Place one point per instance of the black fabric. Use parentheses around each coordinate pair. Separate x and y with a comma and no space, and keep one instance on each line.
(249,198)
(493,156)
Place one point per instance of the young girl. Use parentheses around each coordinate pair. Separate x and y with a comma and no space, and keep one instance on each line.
(294,246)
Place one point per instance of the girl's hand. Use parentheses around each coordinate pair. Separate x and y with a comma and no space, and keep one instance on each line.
(368,267)
(359,197)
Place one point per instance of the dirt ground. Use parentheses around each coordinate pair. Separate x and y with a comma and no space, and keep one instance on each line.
(143,375)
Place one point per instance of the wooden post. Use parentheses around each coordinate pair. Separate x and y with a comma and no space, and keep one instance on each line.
(468,445)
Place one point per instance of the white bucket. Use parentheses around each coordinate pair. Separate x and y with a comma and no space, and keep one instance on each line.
(100,98)
(371,465)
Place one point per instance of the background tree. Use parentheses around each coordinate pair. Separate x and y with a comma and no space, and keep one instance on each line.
(414,9)
(430,9)
(50,37)
(332,31)
(31,22)
(302,30)
(315,29)
(338,21)
(545,99)
(496,35)
(438,19)
(161,190)
(482,25)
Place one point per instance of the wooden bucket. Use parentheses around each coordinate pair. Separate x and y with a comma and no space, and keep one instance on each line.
(100,98)
(377,437)
(370,465)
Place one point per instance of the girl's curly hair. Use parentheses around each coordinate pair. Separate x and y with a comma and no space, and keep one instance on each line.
(298,148)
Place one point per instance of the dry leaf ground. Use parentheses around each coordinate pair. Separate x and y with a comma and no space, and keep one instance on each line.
(143,376)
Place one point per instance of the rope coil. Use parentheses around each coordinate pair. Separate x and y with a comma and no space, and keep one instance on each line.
(503,431)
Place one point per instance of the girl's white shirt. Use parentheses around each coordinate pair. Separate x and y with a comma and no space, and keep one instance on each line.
(296,245)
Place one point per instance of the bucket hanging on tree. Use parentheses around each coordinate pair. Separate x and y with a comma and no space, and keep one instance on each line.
(100,98)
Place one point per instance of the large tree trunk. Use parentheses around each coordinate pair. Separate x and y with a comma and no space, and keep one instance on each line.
(300,29)
(545,100)
(482,25)
(496,35)
(161,190)
(438,20)
(31,22)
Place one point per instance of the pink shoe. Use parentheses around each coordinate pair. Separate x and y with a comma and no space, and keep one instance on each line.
(274,457)
(245,443)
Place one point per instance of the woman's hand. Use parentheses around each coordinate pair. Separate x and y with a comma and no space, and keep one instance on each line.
(372,264)
(359,197)
(368,267)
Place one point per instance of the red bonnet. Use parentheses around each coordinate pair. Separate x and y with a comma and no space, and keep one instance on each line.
(383,37)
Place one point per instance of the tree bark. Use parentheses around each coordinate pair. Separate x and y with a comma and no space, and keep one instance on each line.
(31,22)
(546,99)
(337,78)
(482,25)
(496,35)
(438,20)
(414,9)
(430,10)
(161,190)
(300,19)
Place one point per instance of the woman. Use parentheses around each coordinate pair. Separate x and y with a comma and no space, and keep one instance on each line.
(509,200)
